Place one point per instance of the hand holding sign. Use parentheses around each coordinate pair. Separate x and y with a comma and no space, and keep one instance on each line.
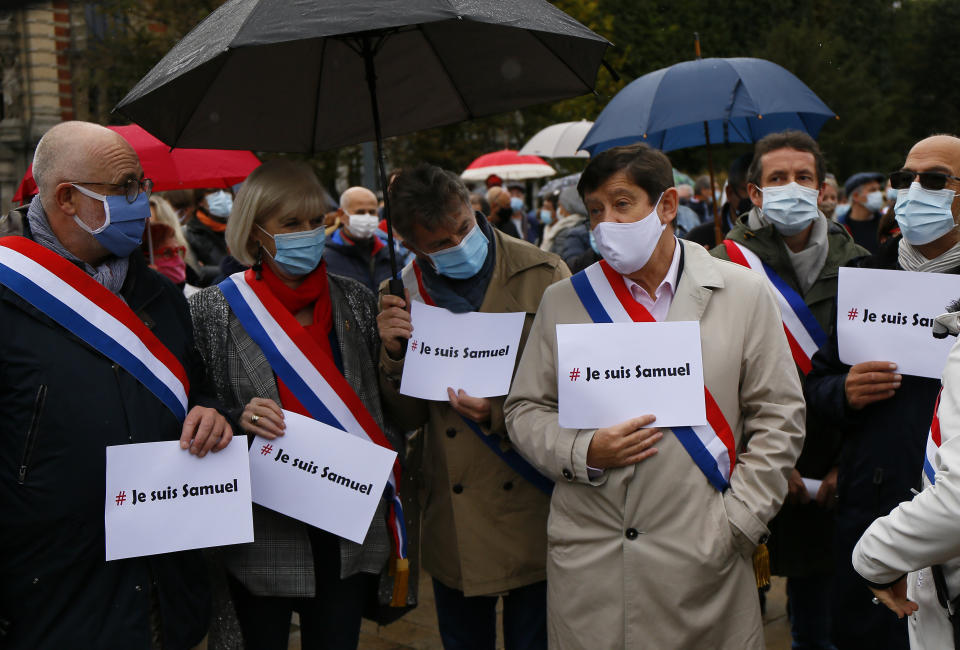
(262,417)
(869,382)
(627,443)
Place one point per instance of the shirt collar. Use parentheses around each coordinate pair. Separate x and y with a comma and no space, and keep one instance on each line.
(670,280)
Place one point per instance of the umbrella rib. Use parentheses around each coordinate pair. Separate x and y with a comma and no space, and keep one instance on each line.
(316,112)
(446,71)
(586,84)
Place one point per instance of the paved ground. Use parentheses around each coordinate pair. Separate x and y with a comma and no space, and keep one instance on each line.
(418,629)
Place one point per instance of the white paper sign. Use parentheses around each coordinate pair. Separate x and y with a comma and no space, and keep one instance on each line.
(324,476)
(812,486)
(474,351)
(611,372)
(885,315)
(161,498)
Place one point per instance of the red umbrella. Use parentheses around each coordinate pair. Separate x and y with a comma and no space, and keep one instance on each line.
(508,165)
(179,169)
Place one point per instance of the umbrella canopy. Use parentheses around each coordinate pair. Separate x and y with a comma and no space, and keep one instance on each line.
(179,169)
(559,141)
(739,99)
(292,75)
(508,165)
(558,184)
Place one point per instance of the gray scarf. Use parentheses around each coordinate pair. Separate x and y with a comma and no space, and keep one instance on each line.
(910,259)
(111,273)
(808,263)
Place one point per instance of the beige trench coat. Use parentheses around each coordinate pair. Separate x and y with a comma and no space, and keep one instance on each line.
(652,556)
(484,526)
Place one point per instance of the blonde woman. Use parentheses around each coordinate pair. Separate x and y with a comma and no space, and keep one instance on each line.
(276,227)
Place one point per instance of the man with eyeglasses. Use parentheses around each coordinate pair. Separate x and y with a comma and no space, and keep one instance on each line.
(355,249)
(886,416)
(96,350)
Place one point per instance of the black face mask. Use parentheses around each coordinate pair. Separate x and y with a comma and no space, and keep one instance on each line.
(504,213)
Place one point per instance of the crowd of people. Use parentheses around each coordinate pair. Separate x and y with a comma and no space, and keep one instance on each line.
(629,535)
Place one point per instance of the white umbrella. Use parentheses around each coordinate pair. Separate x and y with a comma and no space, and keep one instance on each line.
(559,141)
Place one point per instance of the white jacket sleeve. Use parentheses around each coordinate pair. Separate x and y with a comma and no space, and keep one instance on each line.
(925,530)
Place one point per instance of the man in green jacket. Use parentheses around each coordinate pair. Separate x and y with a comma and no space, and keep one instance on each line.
(788,239)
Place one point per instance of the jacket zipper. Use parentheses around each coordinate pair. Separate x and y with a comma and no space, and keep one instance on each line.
(32,433)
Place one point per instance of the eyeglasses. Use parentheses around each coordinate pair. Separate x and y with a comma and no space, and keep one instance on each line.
(131,188)
(902,179)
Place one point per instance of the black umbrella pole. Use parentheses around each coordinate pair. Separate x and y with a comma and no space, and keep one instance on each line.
(717,229)
(396,284)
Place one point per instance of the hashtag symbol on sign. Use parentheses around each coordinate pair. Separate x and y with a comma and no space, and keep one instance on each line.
(266,449)
(121,498)
(574,374)
(852,314)
(413,345)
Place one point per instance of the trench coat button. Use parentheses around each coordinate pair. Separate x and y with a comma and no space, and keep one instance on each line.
(632,533)
(451,432)
(457,489)
(508,485)
(567,474)
(763,540)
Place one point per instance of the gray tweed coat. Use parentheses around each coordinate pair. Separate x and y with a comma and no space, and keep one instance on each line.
(279,562)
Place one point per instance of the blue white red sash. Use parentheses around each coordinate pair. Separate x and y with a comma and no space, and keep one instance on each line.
(413,281)
(804,333)
(86,308)
(311,375)
(933,444)
(607,300)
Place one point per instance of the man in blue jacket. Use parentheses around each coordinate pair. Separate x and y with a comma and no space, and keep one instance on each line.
(885,415)
(354,250)
(64,401)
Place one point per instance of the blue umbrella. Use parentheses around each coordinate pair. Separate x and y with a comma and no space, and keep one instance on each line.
(738,100)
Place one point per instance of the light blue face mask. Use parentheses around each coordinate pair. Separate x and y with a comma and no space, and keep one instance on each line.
(593,243)
(790,208)
(463,260)
(122,229)
(891,194)
(546,217)
(220,204)
(516,204)
(924,215)
(298,253)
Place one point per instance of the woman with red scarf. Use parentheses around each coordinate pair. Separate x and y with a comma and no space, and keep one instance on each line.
(276,226)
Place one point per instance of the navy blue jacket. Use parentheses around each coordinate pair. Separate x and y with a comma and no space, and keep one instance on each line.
(356,262)
(62,404)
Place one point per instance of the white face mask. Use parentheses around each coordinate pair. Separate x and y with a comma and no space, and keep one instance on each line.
(363,226)
(874,201)
(627,247)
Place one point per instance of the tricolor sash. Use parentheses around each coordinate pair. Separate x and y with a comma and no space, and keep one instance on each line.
(804,333)
(86,308)
(311,375)
(933,443)
(607,300)
(413,280)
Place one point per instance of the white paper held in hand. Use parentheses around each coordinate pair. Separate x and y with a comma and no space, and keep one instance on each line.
(474,351)
(608,373)
(162,499)
(886,315)
(320,475)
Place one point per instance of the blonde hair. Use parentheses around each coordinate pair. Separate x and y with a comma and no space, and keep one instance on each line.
(275,186)
(163,213)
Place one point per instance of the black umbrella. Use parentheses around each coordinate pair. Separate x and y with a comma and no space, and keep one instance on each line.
(302,75)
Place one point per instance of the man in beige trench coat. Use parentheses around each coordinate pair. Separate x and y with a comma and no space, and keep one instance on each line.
(643,551)
(484,524)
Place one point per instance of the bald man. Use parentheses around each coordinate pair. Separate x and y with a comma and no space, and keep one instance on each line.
(885,416)
(66,393)
(502,214)
(356,249)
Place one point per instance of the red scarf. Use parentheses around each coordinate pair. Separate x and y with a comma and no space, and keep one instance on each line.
(313,290)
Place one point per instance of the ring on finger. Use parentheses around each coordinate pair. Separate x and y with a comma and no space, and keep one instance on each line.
(254,418)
